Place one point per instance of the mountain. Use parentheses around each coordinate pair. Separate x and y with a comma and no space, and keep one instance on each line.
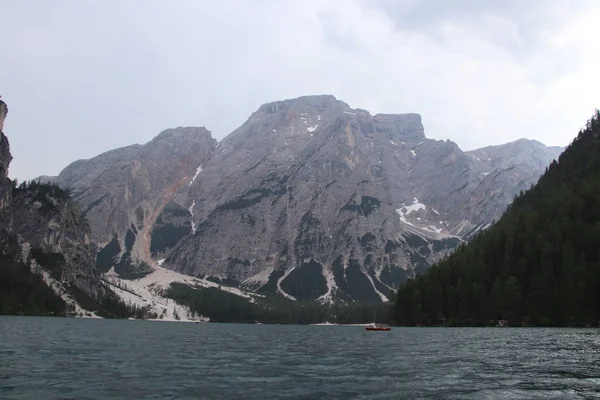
(515,166)
(538,265)
(122,192)
(49,255)
(308,199)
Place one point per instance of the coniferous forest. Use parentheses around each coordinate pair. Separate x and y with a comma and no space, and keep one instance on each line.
(221,306)
(539,265)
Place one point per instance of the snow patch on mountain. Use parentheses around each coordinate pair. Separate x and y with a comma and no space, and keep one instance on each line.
(421,225)
(198,170)
(191,210)
(381,295)
(280,290)
(407,210)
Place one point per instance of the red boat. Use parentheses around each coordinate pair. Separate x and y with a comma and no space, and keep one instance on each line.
(376,327)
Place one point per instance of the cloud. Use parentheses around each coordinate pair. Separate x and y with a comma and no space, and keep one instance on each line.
(85,77)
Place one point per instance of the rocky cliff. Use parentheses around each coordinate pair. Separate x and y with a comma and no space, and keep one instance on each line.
(56,235)
(44,240)
(5,184)
(123,192)
(3,113)
(309,199)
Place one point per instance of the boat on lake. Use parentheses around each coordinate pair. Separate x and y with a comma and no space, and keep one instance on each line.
(378,327)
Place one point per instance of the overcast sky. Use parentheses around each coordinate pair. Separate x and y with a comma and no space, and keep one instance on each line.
(82,77)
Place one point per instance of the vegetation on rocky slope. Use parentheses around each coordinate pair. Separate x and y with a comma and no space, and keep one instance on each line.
(24,292)
(21,291)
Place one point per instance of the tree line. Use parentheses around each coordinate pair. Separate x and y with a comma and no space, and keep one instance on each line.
(220,306)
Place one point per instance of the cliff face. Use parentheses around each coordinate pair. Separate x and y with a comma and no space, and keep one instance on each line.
(3,113)
(44,233)
(5,183)
(55,234)
(123,192)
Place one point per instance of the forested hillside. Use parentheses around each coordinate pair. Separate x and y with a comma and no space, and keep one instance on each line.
(221,306)
(539,265)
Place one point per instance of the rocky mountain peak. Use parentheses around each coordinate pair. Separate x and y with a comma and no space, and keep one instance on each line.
(290,125)
(530,154)
(182,134)
(402,127)
(303,104)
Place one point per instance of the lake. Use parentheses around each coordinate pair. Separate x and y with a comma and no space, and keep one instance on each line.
(62,358)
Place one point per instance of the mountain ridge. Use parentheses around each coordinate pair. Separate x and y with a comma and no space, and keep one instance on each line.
(307,185)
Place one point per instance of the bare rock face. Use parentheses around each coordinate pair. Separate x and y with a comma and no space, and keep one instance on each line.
(122,192)
(309,199)
(5,183)
(3,113)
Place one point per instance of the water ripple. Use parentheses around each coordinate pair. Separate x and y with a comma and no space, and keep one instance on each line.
(51,358)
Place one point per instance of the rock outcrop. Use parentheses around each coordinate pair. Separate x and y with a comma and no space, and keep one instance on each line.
(3,113)
(5,183)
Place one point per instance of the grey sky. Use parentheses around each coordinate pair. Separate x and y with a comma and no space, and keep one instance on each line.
(82,77)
